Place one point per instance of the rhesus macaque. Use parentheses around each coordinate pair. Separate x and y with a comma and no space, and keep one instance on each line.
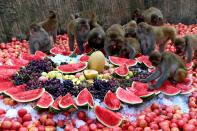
(93,21)
(114,40)
(149,36)
(96,38)
(78,29)
(168,66)
(130,48)
(130,29)
(152,16)
(51,24)
(186,46)
(39,39)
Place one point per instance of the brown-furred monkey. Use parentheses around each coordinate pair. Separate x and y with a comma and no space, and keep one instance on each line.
(130,29)
(130,48)
(115,36)
(51,24)
(168,66)
(186,46)
(39,39)
(149,36)
(78,29)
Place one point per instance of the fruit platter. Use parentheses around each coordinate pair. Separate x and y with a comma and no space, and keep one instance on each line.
(65,91)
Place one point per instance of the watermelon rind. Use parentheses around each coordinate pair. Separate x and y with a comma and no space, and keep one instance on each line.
(107,105)
(127,93)
(75,71)
(176,92)
(109,115)
(47,98)
(70,106)
(141,60)
(124,66)
(14,90)
(55,106)
(86,103)
(37,96)
(119,59)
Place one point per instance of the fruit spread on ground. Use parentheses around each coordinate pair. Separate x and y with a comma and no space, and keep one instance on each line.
(90,92)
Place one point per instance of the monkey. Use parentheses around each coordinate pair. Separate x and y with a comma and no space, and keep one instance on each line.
(186,46)
(78,29)
(152,16)
(96,38)
(93,21)
(168,66)
(74,16)
(149,36)
(51,24)
(130,29)
(39,39)
(115,36)
(130,48)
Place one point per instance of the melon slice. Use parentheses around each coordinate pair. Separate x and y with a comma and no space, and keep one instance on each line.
(84,98)
(72,68)
(119,61)
(55,105)
(28,96)
(140,89)
(45,101)
(5,86)
(56,50)
(122,70)
(145,60)
(40,54)
(107,117)
(84,58)
(185,89)
(67,103)
(15,90)
(29,57)
(90,74)
(8,70)
(18,62)
(168,89)
(127,97)
(111,101)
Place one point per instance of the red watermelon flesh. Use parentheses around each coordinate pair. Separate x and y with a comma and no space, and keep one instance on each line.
(45,101)
(85,98)
(168,89)
(127,96)
(56,50)
(111,101)
(27,96)
(72,68)
(189,65)
(55,105)
(84,58)
(87,49)
(140,89)
(122,70)
(18,62)
(5,85)
(107,117)
(145,60)
(40,54)
(185,89)
(15,90)
(29,57)
(67,102)
(119,61)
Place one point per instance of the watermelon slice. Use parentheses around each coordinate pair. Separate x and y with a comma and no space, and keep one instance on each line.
(18,62)
(185,89)
(8,70)
(122,70)
(67,103)
(55,105)
(127,97)
(29,57)
(145,60)
(84,98)
(5,85)
(189,65)
(168,89)
(72,68)
(40,54)
(140,89)
(111,101)
(56,50)
(15,90)
(84,58)
(45,101)
(119,61)
(28,96)
(107,117)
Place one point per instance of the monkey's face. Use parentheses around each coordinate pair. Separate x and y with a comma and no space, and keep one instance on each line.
(180,46)
(96,41)
(155,58)
(156,20)
(83,29)
(52,14)
(130,32)
(125,50)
